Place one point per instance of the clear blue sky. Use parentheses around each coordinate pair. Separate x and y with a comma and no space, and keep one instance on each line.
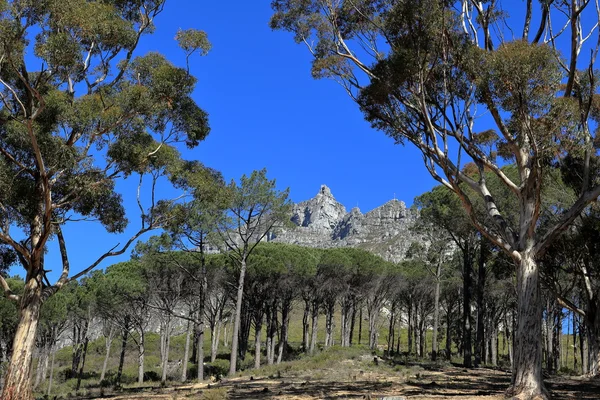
(265,110)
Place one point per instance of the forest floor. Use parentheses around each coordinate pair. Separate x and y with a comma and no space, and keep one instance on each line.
(361,379)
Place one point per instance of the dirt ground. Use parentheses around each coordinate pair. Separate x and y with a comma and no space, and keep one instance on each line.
(343,383)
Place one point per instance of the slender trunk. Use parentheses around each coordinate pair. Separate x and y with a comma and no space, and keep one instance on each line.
(237,318)
(352,322)
(436,312)
(186,352)
(315,321)
(285,322)
(108,342)
(51,378)
(124,337)
(550,336)
(83,356)
(479,336)
(141,351)
(373,311)
(215,342)
(360,318)
(200,360)
(17,382)
(391,327)
(448,335)
(467,344)
(306,326)
(269,318)
(166,339)
(329,326)
(527,380)
(409,328)
(494,346)
(257,333)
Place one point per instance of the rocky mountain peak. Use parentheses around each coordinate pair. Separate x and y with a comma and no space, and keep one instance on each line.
(323,222)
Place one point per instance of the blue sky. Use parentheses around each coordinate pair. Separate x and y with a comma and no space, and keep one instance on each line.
(265,111)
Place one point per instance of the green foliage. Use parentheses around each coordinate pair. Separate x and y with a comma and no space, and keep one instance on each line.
(83,114)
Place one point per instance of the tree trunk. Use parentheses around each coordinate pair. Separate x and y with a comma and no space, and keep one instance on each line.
(124,337)
(83,356)
(306,326)
(108,342)
(141,351)
(352,322)
(391,328)
(360,317)
(448,335)
(315,321)
(186,351)
(257,333)
(436,312)
(285,322)
(409,328)
(329,326)
(237,319)
(166,360)
(467,344)
(592,320)
(527,380)
(200,345)
(550,336)
(215,342)
(373,313)
(17,383)
(479,336)
(50,380)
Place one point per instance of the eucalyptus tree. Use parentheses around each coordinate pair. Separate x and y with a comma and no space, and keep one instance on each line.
(425,72)
(255,208)
(79,111)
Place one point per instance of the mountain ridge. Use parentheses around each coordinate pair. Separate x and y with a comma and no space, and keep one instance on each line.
(323,222)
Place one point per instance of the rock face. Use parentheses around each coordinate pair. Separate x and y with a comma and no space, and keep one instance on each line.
(323,222)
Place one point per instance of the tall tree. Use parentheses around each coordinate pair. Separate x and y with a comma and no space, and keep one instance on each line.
(81,113)
(255,208)
(424,71)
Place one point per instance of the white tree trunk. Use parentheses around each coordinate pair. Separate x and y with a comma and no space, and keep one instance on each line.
(527,380)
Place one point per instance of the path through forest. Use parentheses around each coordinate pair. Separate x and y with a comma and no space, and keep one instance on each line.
(347,383)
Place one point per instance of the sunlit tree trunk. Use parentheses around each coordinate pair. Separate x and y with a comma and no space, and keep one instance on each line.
(285,322)
(166,344)
(306,326)
(108,343)
(186,351)
(237,318)
(17,383)
(141,354)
